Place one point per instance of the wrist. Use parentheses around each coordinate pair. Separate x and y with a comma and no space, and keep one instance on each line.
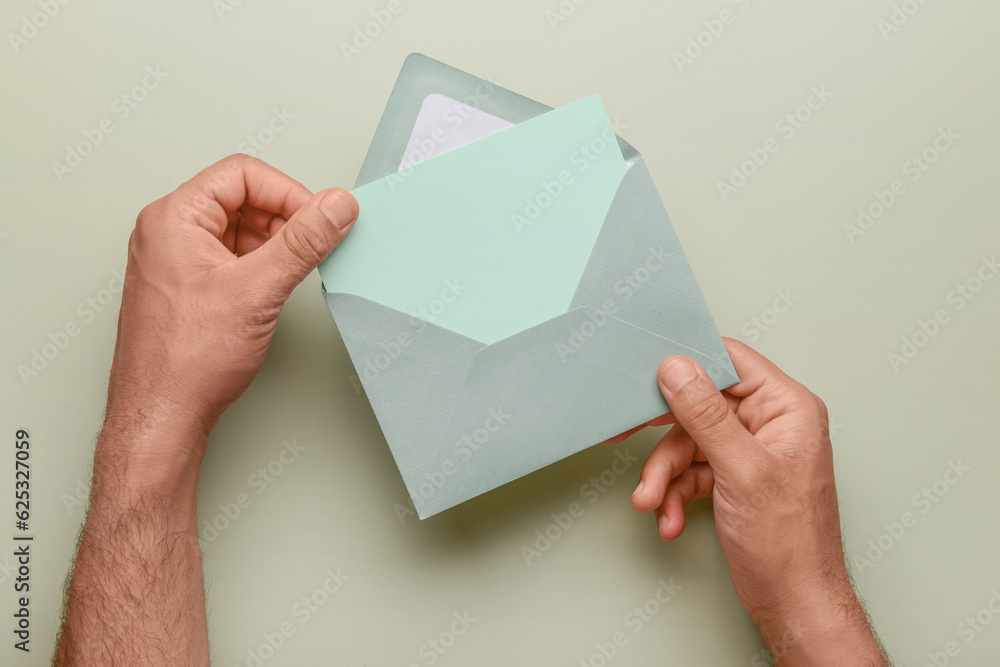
(150,446)
(819,624)
(157,391)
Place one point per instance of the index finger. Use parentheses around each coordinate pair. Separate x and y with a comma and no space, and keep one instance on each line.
(662,420)
(219,191)
(753,368)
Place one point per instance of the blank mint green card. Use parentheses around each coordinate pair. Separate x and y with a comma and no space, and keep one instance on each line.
(489,239)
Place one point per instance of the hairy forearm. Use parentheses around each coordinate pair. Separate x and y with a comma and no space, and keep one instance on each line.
(136,595)
(826,628)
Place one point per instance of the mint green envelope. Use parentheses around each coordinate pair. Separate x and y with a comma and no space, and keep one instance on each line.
(511,286)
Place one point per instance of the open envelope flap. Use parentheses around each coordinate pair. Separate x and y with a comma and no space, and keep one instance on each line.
(420,77)
(461,418)
(547,393)
(638,273)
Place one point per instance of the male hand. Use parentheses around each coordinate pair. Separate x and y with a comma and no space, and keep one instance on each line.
(209,267)
(761,450)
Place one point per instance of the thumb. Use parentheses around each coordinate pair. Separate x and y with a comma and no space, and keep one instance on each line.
(704,413)
(308,237)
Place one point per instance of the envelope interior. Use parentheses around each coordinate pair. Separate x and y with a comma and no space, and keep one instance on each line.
(444,124)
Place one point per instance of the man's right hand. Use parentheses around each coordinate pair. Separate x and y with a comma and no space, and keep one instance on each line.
(761,449)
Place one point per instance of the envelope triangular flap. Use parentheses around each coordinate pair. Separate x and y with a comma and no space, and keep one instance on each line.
(547,393)
(421,76)
(638,273)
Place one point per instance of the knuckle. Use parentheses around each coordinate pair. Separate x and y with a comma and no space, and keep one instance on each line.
(182,205)
(232,168)
(794,394)
(237,160)
(145,223)
(816,422)
(307,245)
(707,411)
(695,483)
(151,211)
(148,211)
(820,406)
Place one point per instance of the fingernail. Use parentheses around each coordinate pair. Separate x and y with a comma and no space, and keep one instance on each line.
(638,488)
(337,209)
(663,521)
(677,373)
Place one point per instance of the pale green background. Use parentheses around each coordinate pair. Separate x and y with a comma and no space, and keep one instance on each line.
(334,506)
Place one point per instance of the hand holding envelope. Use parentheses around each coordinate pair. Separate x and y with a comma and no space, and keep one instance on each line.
(506,303)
